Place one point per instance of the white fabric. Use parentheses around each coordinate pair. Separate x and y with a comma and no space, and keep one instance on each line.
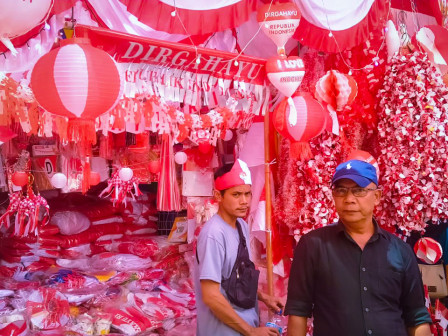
(115,15)
(252,151)
(29,53)
(200,4)
(334,15)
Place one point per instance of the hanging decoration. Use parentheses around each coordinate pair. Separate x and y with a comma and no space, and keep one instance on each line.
(118,189)
(168,194)
(285,74)
(20,178)
(428,250)
(392,40)
(48,309)
(78,82)
(19,17)
(95,178)
(304,200)
(59,180)
(335,26)
(279,21)
(180,158)
(24,211)
(412,131)
(336,89)
(311,120)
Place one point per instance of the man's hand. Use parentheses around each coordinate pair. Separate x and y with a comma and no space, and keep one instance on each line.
(263,331)
(272,302)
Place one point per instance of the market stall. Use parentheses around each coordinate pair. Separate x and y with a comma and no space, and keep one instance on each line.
(114,115)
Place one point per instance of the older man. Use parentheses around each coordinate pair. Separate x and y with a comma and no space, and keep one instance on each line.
(353,277)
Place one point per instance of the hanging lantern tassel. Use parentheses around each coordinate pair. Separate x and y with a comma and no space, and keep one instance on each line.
(300,151)
(83,133)
(86,176)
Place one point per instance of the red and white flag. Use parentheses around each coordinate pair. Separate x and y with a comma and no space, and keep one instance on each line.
(441,313)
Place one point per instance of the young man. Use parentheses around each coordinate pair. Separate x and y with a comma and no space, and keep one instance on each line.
(217,250)
(353,277)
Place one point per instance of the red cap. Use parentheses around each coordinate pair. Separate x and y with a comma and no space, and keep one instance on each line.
(238,175)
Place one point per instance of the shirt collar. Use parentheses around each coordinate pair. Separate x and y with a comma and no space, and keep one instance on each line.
(378,230)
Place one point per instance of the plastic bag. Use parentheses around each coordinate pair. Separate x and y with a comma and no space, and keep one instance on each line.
(130,321)
(48,309)
(13,325)
(142,248)
(70,222)
(119,262)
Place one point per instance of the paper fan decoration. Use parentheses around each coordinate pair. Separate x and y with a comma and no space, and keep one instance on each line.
(336,89)
(48,309)
(428,250)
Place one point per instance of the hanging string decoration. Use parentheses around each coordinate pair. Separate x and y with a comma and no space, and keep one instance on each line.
(304,199)
(413,138)
(23,211)
(118,190)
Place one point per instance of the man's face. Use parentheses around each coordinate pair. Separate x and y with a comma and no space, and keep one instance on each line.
(352,209)
(236,200)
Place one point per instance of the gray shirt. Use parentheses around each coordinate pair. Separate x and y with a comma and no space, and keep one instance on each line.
(217,250)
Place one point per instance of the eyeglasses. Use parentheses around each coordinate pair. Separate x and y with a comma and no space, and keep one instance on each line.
(356,191)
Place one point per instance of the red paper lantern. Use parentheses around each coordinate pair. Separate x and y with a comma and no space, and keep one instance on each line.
(336,89)
(20,178)
(95,178)
(77,81)
(154,166)
(311,121)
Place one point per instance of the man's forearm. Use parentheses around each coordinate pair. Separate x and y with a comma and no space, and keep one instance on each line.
(222,309)
(297,325)
(420,330)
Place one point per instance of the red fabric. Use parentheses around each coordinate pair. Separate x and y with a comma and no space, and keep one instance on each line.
(318,38)
(157,15)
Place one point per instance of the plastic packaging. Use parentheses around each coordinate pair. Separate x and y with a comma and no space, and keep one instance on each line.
(278,322)
(70,222)
(48,309)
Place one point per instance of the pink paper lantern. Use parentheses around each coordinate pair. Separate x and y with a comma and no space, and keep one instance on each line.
(336,89)
(19,17)
(76,81)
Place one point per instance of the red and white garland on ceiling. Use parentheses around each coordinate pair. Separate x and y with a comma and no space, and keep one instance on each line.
(413,137)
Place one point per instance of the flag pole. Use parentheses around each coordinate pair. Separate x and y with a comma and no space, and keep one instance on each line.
(269,263)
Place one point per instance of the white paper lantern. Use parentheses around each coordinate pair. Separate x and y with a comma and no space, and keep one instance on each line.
(59,180)
(125,173)
(228,136)
(180,158)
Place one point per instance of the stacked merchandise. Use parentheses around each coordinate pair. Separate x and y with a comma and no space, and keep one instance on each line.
(96,271)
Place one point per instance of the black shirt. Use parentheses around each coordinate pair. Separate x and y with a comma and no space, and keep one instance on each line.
(353,292)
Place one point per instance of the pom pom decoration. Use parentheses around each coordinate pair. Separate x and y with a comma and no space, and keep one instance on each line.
(428,250)
(180,158)
(119,189)
(48,309)
(412,135)
(279,22)
(311,121)
(125,174)
(228,135)
(20,178)
(336,89)
(58,180)
(19,17)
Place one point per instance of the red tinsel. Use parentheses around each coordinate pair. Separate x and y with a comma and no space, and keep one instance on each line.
(304,199)
(413,127)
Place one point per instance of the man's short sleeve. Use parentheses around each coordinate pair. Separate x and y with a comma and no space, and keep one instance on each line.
(211,255)
(301,281)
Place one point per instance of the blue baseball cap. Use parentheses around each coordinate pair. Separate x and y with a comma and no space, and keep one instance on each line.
(360,172)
